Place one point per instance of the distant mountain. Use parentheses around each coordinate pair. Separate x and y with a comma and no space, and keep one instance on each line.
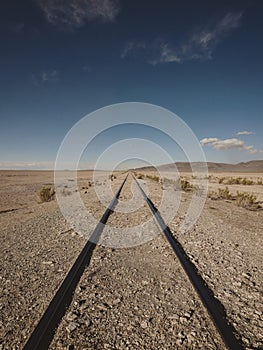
(254,166)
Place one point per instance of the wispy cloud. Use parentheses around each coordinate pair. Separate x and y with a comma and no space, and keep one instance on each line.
(132,47)
(227,144)
(72,14)
(245,133)
(45,77)
(199,46)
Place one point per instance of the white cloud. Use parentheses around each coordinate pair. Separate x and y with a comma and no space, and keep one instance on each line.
(71,14)
(229,144)
(168,55)
(199,46)
(45,77)
(245,133)
(207,140)
(132,47)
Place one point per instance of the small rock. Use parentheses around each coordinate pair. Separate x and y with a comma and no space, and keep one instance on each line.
(47,262)
(246,275)
(179,342)
(144,324)
(182,319)
(71,316)
(72,326)
(190,338)
(187,315)
(116,301)
(88,322)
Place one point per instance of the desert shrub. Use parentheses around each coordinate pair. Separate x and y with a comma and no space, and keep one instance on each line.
(246,181)
(166,181)
(224,193)
(65,192)
(234,181)
(259,182)
(174,183)
(246,200)
(239,181)
(140,176)
(112,177)
(46,193)
(221,180)
(213,195)
(153,177)
(186,185)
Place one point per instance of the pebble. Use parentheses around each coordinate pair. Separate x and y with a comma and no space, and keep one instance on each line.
(144,324)
(72,326)
(71,316)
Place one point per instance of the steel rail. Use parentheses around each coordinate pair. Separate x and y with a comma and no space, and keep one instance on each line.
(213,306)
(44,332)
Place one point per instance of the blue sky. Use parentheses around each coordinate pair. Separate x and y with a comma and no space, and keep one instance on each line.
(61,60)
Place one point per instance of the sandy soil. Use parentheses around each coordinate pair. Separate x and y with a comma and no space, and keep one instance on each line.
(132,298)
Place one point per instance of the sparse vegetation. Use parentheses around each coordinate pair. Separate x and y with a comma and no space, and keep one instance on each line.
(242,199)
(239,181)
(166,181)
(156,178)
(47,193)
(181,184)
(246,200)
(224,193)
(153,177)
(140,176)
(186,185)
(221,180)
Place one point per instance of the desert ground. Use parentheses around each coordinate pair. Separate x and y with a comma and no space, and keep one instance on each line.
(134,294)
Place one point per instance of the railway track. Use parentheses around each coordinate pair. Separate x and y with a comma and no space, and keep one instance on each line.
(43,334)
(45,330)
(213,306)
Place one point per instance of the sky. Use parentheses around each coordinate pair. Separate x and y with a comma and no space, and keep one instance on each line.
(61,60)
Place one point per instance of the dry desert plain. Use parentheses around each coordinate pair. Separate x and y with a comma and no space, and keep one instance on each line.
(134,297)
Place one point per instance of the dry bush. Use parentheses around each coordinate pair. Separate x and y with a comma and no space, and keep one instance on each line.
(224,193)
(259,182)
(174,183)
(140,176)
(234,181)
(186,185)
(242,199)
(153,177)
(246,181)
(239,181)
(112,177)
(166,181)
(221,180)
(47,193)
(246,200)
